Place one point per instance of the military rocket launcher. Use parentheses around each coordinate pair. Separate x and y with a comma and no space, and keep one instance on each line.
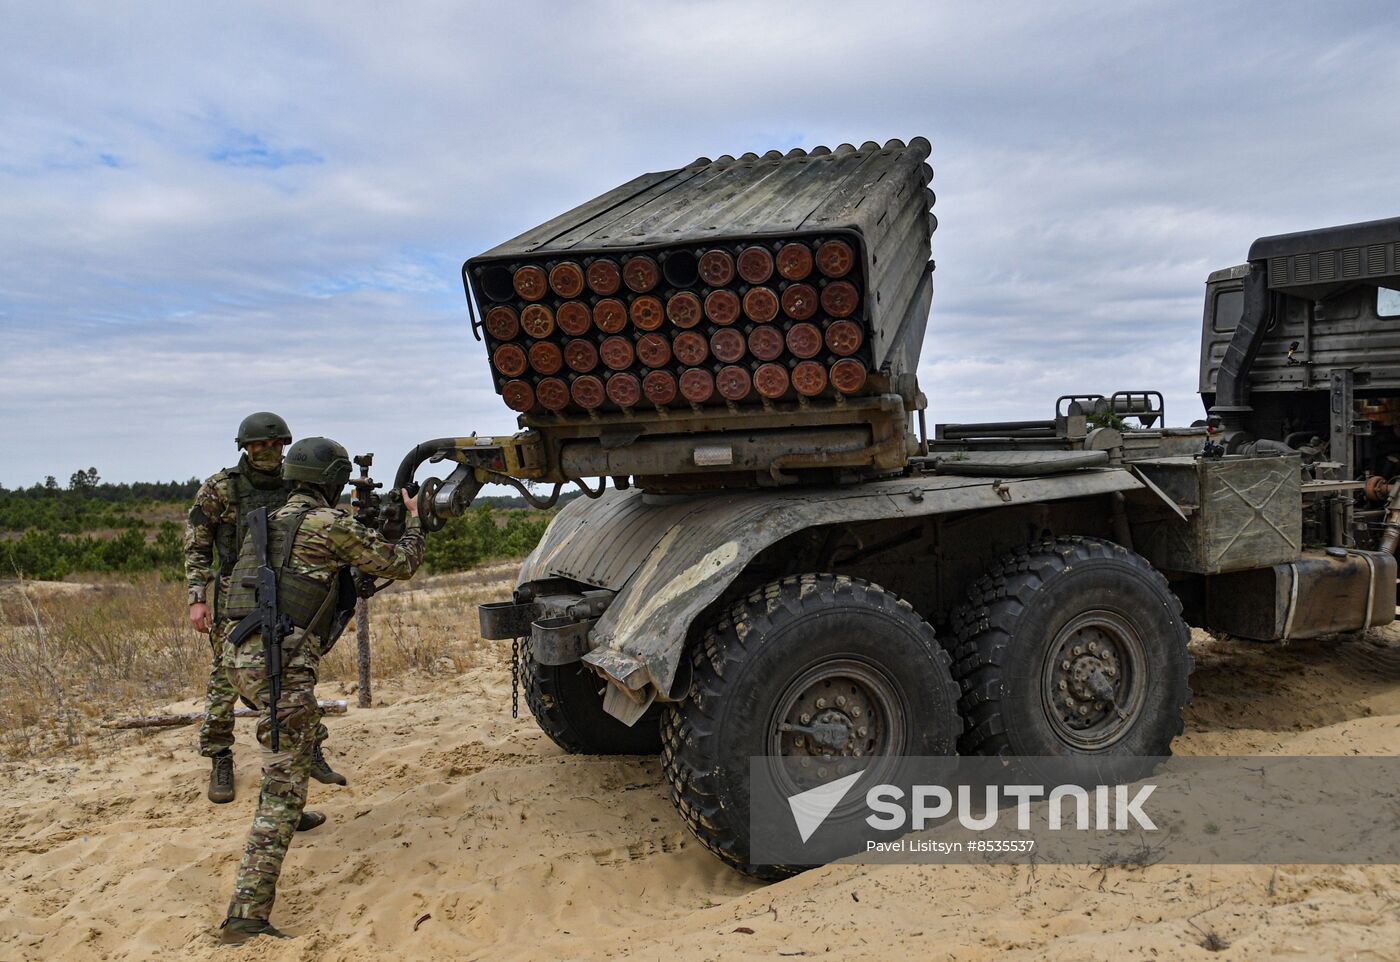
(657,335)
(737,322)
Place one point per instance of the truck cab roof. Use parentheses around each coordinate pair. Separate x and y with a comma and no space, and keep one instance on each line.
(1317,263)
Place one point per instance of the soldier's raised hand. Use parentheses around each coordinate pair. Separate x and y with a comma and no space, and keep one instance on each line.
(409,502)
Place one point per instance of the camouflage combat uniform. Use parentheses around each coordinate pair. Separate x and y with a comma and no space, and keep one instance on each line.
(213,523)
(327,541)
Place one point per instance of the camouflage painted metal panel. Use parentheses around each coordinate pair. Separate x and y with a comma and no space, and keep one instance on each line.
(603,542)
(671,557)
(1242,513)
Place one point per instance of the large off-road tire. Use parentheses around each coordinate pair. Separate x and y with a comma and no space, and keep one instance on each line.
(567,702)
(1047,631)
(767,661)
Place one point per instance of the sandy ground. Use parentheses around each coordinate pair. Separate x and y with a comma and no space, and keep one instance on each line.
(465,834)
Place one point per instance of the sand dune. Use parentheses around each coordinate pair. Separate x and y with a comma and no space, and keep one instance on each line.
(465,834)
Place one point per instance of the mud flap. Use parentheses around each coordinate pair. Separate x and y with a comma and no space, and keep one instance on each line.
(629,692)
(624,707)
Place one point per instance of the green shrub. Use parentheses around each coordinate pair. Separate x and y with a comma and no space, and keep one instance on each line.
(36,554)
(48,556)
(481,535)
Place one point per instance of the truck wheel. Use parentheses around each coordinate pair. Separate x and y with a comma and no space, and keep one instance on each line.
(809,649)
(567,702)
(1074,646)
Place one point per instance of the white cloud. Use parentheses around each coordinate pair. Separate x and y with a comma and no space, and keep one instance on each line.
(212,210)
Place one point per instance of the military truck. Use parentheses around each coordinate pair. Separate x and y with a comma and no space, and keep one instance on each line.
(786,562)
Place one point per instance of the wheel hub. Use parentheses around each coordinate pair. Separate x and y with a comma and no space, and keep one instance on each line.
(830,718)
(831,732)
(1092,694)
(833,717)
(1091,678)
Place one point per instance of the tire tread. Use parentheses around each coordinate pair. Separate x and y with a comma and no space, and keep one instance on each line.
(688,753)
(984,626)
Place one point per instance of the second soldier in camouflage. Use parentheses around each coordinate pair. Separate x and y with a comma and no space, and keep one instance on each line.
(216,525)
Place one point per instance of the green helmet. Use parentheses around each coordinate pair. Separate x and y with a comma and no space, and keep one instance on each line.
(263,426)
(317,461)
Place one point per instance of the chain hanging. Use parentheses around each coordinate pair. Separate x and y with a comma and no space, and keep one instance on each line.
(515,678)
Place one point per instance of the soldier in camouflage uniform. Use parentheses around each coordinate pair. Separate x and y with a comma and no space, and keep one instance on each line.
(324,541)
(216,521)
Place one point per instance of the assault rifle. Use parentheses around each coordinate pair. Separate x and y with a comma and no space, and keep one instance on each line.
(273,627)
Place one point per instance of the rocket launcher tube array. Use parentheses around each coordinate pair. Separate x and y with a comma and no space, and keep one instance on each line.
(735,323)
(783,296)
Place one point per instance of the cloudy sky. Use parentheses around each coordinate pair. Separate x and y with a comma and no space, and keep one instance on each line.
(212,209)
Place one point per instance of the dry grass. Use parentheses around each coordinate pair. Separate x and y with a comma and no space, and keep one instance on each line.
(426,627)
(72,655)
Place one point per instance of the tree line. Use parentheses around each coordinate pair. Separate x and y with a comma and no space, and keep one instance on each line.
(86,484)
(483,534)
(47,531)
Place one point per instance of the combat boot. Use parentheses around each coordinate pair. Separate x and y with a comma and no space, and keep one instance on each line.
(322,771)
(310,820)
(236,931)
(221,778)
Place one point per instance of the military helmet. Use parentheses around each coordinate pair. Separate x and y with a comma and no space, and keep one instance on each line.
(263,426)
(317,461)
